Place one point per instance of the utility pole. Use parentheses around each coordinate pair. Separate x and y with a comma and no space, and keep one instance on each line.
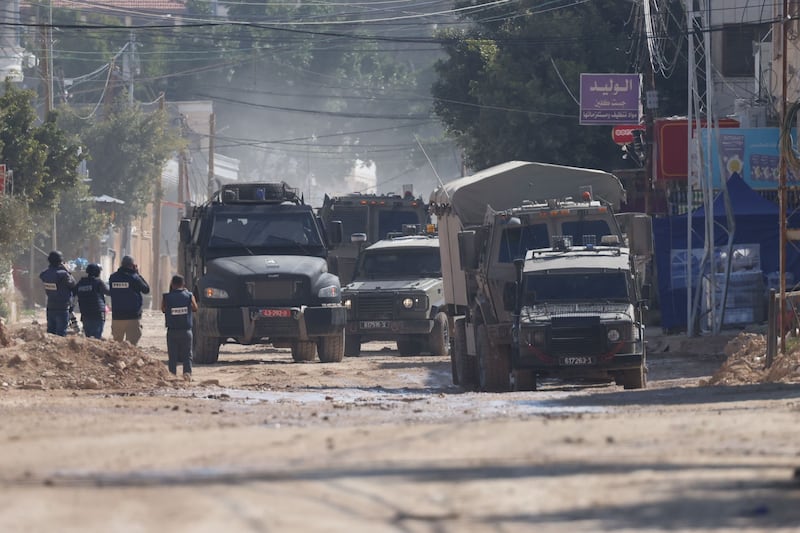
(159,193)
(211,175)
(782,171)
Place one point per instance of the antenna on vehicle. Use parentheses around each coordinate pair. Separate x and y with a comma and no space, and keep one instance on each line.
(441,184)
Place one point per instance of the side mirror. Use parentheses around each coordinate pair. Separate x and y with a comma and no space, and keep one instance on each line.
(468,250)
(185,231)
(335,232)
(358,237)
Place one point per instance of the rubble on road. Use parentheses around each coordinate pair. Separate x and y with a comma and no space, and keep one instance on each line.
(32,359)
(746,363)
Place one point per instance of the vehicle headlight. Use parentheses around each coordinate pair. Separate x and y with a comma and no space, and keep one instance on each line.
(331,291)
(348,303)
(613,335)
(408,303)
(213,292)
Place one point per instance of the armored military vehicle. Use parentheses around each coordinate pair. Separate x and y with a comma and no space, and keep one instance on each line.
(490,219)
(397,295)
(579,314)
(255,256)
(366,219)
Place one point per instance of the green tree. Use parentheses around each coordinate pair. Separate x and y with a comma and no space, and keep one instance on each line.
(509,87)
(126,154)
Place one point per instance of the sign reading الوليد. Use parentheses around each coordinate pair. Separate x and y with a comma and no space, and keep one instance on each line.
(608,99)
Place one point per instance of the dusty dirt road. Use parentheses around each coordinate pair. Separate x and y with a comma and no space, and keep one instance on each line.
(385,443)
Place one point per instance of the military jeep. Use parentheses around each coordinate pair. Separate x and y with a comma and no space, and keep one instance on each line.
(397,295)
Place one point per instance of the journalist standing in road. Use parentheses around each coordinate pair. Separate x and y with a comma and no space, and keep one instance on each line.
(91,292)
(127,288)
(58,284)
(179,306)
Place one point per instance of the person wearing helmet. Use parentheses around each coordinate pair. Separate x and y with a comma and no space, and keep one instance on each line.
(91,292)
(58,285)
(179,307)
(127,288)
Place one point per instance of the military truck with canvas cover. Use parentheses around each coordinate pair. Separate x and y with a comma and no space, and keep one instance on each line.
(366,219)
(490,219)
(255,256)
(396,295)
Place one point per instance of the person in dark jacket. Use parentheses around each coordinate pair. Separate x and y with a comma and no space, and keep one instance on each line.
(179,306)
(127,288)
(91,292)
(58,285)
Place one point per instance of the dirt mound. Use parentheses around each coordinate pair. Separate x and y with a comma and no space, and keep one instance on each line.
(747,355)
(32,359)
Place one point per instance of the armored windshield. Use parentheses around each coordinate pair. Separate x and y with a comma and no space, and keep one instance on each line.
(584,287)
(275,231)
(517,240)
(402,263)
(353,220)
(389,221)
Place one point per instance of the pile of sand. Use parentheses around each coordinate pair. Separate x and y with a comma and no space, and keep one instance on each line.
(32,359)
(746,363)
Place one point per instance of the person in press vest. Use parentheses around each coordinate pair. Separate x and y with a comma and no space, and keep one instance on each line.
(58,285)
(127,288)
(179,306)
(91,292)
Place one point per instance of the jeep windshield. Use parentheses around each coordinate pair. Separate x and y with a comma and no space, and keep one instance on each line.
(400,263)
(279,232)
(595,287)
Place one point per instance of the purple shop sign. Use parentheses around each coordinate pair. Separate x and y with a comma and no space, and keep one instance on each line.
(608,99)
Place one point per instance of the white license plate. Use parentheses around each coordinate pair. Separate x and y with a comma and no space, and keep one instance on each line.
(374,324)
(577,360)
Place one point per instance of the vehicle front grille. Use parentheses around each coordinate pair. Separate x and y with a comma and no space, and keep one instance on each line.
(375,306)
(278,290)
(576,335)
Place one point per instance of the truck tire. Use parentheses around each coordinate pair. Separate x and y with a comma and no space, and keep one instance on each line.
(331,349)
(303,351)
(465,368)
(408,347)
(494,367)
(205,350)
(439,337)
(524,380)
(352,345)
(633,379)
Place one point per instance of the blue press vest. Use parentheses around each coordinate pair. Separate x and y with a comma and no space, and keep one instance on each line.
(127,288)
(178,306)
(90,293)
(58,284)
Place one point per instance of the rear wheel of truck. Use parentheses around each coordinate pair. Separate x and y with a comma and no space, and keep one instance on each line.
(464,367)
(439,337)
(331,349)
(303,351)
(494,368)
(206,349)
(352,345)
(409,347)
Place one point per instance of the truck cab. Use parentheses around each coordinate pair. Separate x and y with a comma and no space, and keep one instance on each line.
(255,256)
(366,219)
